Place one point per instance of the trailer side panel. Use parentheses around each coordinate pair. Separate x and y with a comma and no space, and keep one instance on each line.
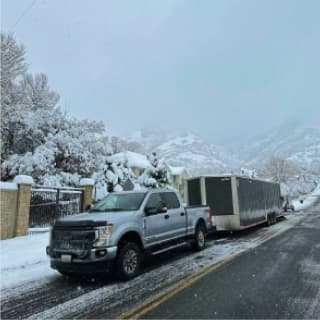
(256,199)
(251,201)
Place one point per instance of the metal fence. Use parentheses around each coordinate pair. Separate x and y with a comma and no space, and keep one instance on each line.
(48,204)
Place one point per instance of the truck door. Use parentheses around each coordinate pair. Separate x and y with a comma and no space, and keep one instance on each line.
(176,221)
(155,224)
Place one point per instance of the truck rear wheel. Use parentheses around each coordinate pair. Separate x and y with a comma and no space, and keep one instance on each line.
(129,261)
(199,242)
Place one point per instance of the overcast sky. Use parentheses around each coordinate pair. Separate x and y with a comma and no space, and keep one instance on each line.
(225,69)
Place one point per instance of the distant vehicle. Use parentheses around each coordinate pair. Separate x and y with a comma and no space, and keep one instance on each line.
(121,228)
(237,202)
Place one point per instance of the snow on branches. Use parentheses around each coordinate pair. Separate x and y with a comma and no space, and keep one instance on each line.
(157,175)
(39,139)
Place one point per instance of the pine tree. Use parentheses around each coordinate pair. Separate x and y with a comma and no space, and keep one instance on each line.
(157,176)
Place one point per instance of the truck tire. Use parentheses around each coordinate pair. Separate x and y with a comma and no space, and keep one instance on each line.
(66,273)
(129,261)
(199,242)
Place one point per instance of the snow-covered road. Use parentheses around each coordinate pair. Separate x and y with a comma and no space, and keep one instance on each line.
(29,288)
(38,292)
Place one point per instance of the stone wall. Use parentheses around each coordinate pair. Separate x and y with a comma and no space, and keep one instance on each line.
(15,207)
(8,208)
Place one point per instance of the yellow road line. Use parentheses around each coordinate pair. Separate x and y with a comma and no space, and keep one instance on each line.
(164,295)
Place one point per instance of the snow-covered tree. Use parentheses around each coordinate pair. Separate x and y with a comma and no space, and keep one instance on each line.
(36,93)
(279,169)
(157,175)
(13,64)
(37,137)
(120,145)
(13,67)
(112,175)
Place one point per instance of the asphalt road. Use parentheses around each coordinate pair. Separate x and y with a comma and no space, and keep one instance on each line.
(288,262)
(279,279)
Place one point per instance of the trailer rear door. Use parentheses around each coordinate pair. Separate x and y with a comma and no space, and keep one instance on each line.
(219,195)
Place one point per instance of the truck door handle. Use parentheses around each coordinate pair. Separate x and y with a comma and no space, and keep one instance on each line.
(166,216)
(182,214)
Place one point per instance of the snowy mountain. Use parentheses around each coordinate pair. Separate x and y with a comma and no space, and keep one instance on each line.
(150,139)
(189,150)
(291,141)
(296,143)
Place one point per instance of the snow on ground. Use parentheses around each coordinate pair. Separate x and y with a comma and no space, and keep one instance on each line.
(166,274)
(308,201)
(24,259)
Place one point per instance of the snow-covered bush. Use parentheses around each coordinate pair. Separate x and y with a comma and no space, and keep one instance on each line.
(156,176)
(111,176)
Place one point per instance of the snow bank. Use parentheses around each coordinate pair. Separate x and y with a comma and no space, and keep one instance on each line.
(307,201)
(24,259)
(22,179)
(87,182)
(8,186)
(295,188)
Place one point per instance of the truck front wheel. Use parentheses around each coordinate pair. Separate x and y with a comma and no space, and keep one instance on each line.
(199,242)
(129,261)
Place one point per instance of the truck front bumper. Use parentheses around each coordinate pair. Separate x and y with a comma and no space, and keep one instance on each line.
(97,259)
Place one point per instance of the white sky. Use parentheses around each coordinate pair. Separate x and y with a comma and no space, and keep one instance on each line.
(227,69)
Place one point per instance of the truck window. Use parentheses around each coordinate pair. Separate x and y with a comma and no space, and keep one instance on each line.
(153,200)
(119,202)
(171,200)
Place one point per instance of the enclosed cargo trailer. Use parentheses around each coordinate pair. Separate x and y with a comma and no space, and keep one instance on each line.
(237,202)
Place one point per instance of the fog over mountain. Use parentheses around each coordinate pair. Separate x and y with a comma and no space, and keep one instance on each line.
(291,141)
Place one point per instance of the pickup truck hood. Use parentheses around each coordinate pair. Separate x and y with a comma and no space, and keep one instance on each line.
(96,218)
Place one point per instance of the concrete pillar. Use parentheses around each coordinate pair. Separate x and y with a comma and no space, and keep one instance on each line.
(88,185)
(23,204)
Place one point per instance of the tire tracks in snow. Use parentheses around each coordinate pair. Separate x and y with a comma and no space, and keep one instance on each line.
(81,298)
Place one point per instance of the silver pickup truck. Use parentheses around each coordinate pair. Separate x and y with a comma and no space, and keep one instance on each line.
(121,228)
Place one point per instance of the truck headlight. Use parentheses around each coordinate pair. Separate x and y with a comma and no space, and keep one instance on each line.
(103,235)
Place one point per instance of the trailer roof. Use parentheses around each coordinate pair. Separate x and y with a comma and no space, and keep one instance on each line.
(230,176)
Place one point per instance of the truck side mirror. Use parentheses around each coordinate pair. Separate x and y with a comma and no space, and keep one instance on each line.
(150,210)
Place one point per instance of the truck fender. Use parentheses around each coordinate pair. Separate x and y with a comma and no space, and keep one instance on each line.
(130,232)
(201,221)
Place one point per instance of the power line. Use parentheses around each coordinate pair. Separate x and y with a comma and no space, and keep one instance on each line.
(24,13)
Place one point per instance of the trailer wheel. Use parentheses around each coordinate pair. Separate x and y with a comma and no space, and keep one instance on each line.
(269,220)
(199,242)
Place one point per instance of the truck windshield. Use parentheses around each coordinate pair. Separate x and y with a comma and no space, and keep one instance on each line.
(119,202)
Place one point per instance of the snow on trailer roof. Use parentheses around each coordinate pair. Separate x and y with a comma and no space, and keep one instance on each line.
(229,176)
(134,159)
(145,190)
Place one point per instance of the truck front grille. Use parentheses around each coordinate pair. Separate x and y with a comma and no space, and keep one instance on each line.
(75,242)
